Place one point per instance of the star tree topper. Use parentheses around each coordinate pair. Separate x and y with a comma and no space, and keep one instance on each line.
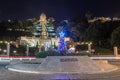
(61,34)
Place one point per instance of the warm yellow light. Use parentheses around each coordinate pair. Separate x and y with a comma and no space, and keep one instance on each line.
(0,49)
(90,43)
(4,50)
(1,41)
(6,42)
(82,42)
(78,43)
(14,51)
(11,42)
(86,43)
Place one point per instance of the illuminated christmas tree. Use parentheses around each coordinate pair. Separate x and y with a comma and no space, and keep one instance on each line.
(62,43)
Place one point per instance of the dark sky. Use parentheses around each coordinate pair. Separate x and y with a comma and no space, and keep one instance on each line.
(59,9)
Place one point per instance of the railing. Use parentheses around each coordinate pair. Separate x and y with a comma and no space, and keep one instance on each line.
(8,59)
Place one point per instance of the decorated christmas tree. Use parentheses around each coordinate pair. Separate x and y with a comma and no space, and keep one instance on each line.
(62,43)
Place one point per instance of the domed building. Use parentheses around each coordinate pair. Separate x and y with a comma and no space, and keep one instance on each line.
(44,28)
(44,34)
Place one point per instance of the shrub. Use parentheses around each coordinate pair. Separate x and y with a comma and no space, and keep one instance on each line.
(44,54)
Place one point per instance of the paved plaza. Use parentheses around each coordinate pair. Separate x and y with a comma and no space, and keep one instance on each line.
(64,64)
(10,75)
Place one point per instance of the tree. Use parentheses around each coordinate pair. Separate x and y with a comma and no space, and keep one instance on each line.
(115,37)
(100,33)
(88,15)
(79,30)
(65,27)
(97,33)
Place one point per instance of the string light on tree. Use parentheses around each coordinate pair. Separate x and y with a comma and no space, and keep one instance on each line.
(62,43)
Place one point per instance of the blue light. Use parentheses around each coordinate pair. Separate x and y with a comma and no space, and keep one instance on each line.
(61,34)
(62,43)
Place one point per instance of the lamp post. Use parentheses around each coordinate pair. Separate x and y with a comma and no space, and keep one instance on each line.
(8,49)
(89,47)
(27,50)
(115,51)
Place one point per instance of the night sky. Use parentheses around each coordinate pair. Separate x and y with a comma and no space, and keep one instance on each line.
(59,9)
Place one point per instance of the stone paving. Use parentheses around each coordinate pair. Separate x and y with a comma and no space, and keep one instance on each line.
(65,64)
(10,75)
